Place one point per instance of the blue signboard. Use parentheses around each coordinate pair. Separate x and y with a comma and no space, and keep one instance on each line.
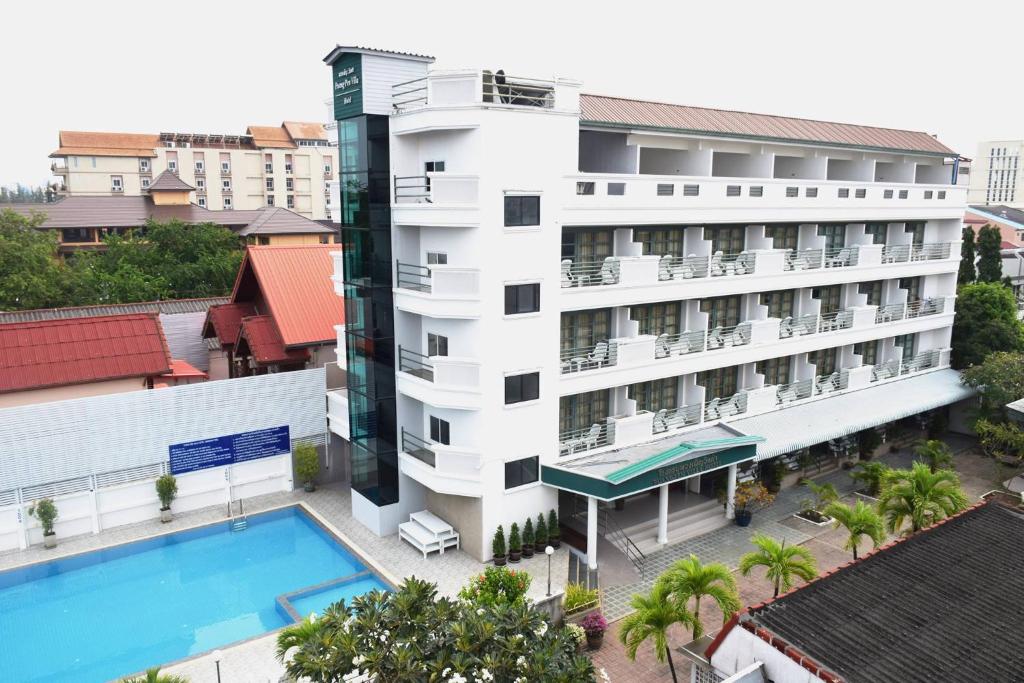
(228,450)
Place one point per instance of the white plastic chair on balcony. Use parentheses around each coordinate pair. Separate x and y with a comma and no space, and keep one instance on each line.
(665,267)
(684,270)
(844,319)
(786,327)
(744,263)
(599,356)
(610,271)
(568,280)
(729,407)
(787,394)
(661,346)
(711,411)
(883,371)
(828,383)
(585,442)
(741,335)
(794,261)
(839,260)
(661,421)
(715,338)
(717,267)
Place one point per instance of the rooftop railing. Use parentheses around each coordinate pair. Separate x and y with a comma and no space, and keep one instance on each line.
(473,87)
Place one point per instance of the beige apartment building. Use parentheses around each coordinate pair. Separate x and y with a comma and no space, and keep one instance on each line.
(288,166)
(997,176)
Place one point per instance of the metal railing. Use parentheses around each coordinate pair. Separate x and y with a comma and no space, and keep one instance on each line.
(518,91)
(590,273)
(721,264)
(840,257)
(826,384)
(418,448)
(806,259)
(613,532)
(794,391)
(911,309)
(682,267)
(691,341)
(718,408)
(601,354)
(880,371)
(585,439)
(412,276)
(684,416)
(930,251)
(724,337)
(924,360)
(411,188)
(415,363)
(799,326)
(836,320)
(409,94)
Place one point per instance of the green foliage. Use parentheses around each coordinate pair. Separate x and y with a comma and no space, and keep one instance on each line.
(868,440)
(542,530)
(999,380)
(154,676)
(578,596)
(498,542)
(990,262)
(576,632)
(936,454)
(652,617)
(967,273)
(412,634)
(166,490)
(783,563)
(1000,441)
(859,520)
(753,495)
(515,544)
(46,512)
(919,496)
(870,475)
(307,462)
(553,530)
(26,194)
(528,536)
(30,274)
(986,321)
(688,578)
(823,494)
(497,586)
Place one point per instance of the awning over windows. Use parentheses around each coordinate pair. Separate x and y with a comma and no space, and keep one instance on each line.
(804,425)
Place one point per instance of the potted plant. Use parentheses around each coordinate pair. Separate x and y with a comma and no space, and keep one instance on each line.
(166,490)
(541,541)
(594,625)
(578,635)
(46,512)
(750,496)
(498,547)
(554,534)
(515,545)
(528,538)
(307,465)
(578,598)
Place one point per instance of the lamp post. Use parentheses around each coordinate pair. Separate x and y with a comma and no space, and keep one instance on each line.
(549,551)
(217,656)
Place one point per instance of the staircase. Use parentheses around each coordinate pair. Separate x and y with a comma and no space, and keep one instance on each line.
(239,522)
(612,531)
(682,524)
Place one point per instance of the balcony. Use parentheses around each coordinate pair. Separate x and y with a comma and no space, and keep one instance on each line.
(604,199)
(436,199)
(440,467)
(625,280)
(439,381)
(59,169)
(437,291)
(337,412)
(625,360)
(628,430)
(471,87)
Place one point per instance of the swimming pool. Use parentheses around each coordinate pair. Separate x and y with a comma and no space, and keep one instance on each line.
(112,612)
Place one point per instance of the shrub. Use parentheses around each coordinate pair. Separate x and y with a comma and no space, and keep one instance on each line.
(594,623)
(166,490)
(871,475)
(498,544)
(553,530)
(46,512)
(542,531)
(752,495)
(578,596)
(514,542)
(497,586)
(528,536)
(1000,440)
(307,462)
(576,633)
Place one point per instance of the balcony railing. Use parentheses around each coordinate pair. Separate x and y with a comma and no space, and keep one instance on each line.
(731,264)
(418,448)
(435,188)
(589,273)
(473,87)
(803,260)
(682,267)
(718,408)
(924,360)
(910,309)
(585,439)
(667,345)
(840,257)
(415,364)
(599,355)
(676,418)
(726,337)
(412,276)
(794,391)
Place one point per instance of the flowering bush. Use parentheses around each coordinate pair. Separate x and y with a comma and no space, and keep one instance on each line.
(753,496)
(594,623)
(576,632)
(497,586)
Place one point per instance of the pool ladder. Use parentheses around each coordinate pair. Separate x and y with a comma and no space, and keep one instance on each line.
(239,522)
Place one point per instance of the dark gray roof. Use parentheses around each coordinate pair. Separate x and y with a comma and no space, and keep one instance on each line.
(944,605)
(1000,211)
(339,49)
(169,307)
(169,181)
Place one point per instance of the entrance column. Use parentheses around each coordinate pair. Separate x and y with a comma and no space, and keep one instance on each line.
(592,532)
(730,495)
(663,514)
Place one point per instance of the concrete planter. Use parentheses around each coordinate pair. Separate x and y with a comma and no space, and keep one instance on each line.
(50,541)
(166,515)
(825,522)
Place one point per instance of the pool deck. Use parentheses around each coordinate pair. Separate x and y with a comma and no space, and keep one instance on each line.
(253,660)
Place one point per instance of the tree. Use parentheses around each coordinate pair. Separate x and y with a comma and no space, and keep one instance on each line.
(688,578)
(823,494)
(919,496)
(412,634)
(990,262)
(651,619)
(1000,441)
(935,454)
(967,273)
(871,475)
(859,520)
(154,676)
(998,379)
(30,275)
(986,321)
(783,563)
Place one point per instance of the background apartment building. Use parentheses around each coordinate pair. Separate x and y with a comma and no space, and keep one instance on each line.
(997,176)
(288,166)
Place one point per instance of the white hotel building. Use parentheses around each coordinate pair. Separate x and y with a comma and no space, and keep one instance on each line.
(583,299)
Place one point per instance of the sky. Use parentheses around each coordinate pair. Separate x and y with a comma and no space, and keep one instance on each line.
(948,68)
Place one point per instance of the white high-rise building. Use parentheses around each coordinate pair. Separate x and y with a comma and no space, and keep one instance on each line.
(585,299)
(998,177)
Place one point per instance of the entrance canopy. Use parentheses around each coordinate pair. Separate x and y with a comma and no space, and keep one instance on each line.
(614,474)
(804,425)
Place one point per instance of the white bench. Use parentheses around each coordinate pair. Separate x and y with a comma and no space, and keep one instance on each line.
(427,532)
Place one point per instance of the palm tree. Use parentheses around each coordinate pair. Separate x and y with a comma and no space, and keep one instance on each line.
(936,454)
(783,563)
(921,496)
(870,474)
(688,578)
(154,676)
(823,494)
(859,520)
(652,617)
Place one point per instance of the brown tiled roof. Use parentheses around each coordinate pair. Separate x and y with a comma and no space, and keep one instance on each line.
(169,181)
(278,221)
(224,320)
(84,143)
(299,130)
(626,113)
(270,136)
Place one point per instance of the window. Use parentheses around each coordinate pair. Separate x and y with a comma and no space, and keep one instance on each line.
(519,388)
(522,298)
(942,193)
(201,183)
(779,303)
(861,193)
(824,361)
(145,180)
(913,287)
(437,345)
(287,163)
(225,166)
(868,352)
(811,192)
(202,200)
(917,229)
(437,258)
(844,193)
(903,194)
(775,371)
(227,202)
(327,169)
(584,188)
(582,329)
(616,189)
(783,236)
(270,184)
(719,383)
(172,165)
(428,168)
(877,231)
(792,191)
(906,343)
(440,431)
(733,190)
(829,296)
(116,183)
(659,318)
(290,201)
(225,184)
(873,291)
(887,194)
(666,189)
(270,200)
(268,164)
(521,472)
(289,184)
(264,240)
(723,311)
(691,190)
(586,245)
(728,240)
(144,165)
(662,241)
(200,166)
(522,210)
(835,236)
(581,411)
(756,190)
(658,394)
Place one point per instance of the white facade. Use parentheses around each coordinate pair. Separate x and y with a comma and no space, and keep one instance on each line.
(997,176)
(852,218)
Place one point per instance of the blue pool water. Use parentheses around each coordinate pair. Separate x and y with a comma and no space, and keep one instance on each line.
(108,613)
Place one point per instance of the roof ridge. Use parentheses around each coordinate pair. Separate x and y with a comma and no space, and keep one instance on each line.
(93,319)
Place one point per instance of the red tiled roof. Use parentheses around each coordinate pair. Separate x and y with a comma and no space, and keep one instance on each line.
(88,143)
(39,354)
(223,321)
(181,369)
(659,115)
(260,337)
(296,284)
